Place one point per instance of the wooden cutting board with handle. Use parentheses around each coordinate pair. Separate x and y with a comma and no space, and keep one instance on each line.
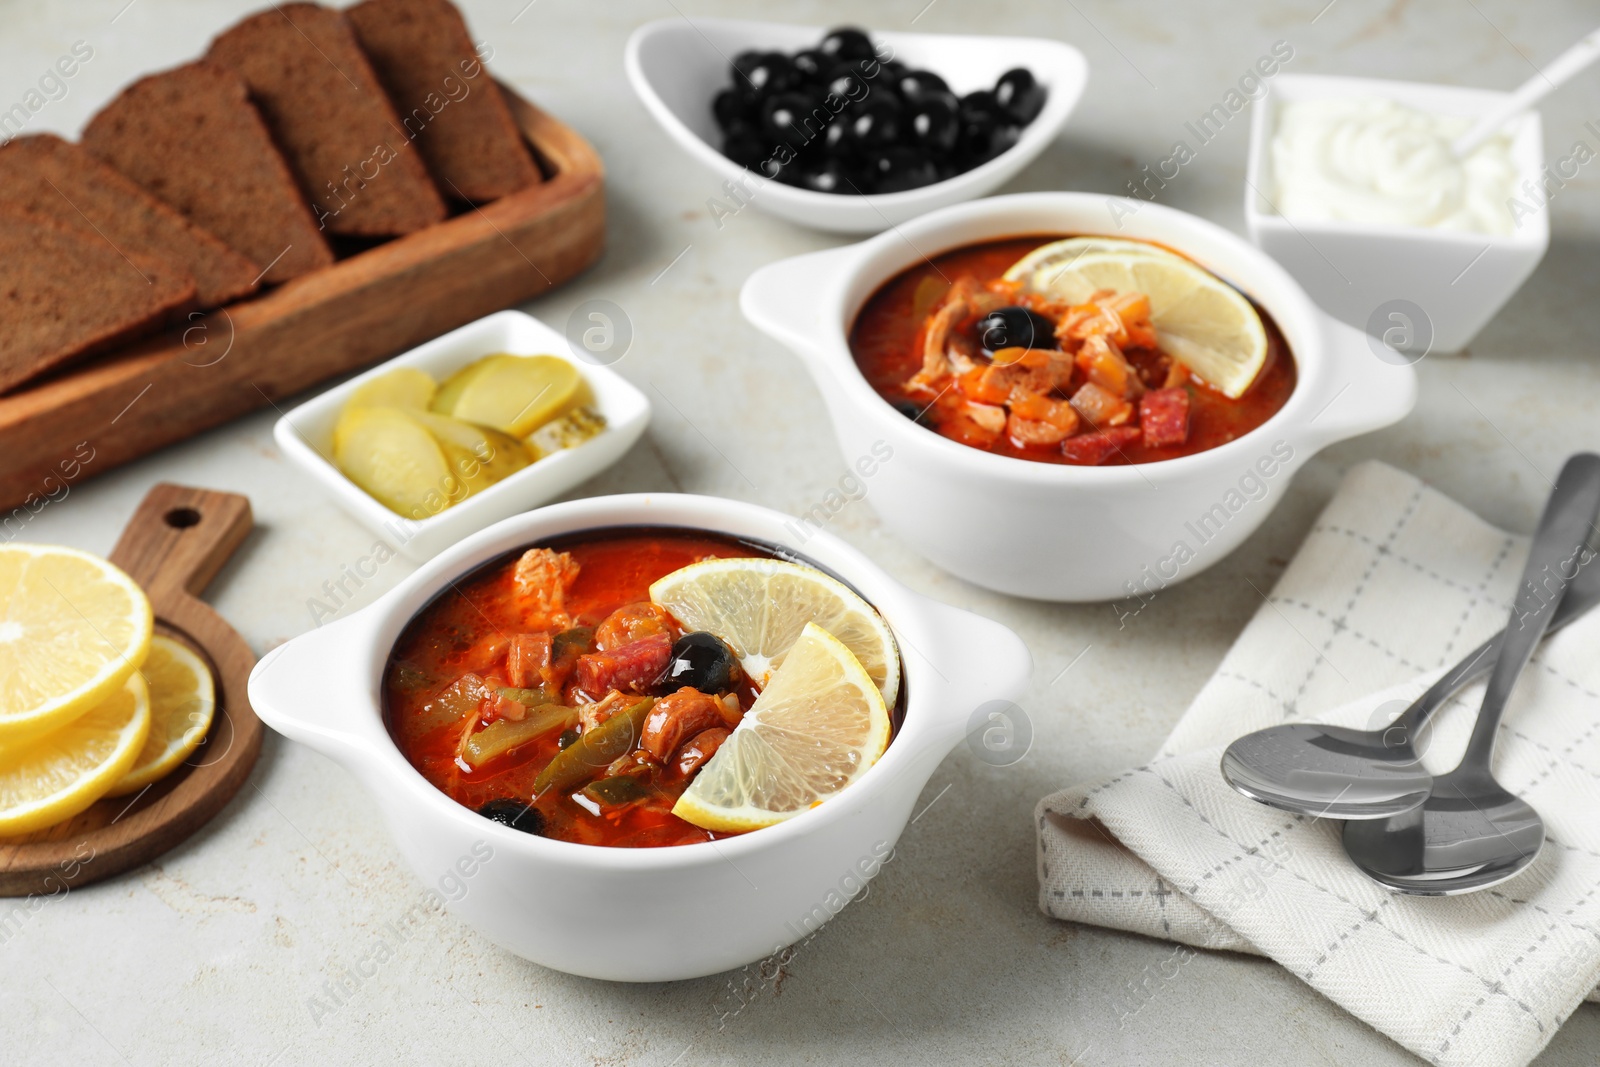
(176,542)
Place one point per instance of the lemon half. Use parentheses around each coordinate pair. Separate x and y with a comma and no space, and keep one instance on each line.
(817,727)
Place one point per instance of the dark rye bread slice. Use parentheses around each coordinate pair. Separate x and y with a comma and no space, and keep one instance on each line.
(326,108)
(43,175)
(66,292)
(191,137)
(448,104)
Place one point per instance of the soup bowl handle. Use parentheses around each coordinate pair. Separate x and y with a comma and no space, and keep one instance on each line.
(306,689)
(981,666)
(784,299)
(1364,391)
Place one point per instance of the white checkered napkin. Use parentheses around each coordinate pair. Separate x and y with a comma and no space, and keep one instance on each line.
(1394,584)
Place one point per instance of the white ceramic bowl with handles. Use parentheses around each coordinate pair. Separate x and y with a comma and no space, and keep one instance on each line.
(652,914)
(1055,532)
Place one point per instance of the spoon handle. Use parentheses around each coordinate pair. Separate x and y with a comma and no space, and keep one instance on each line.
(1583,595)
(1558,555)
(1530,92)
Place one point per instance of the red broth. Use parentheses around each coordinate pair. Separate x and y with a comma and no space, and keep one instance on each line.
(468,628)
(886,342)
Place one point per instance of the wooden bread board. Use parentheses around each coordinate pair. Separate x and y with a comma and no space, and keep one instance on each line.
(176,542)
(365,308)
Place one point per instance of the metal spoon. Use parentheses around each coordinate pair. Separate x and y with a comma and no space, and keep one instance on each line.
(1471,833)
(1342,773)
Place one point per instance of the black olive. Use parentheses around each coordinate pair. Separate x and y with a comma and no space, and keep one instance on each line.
(567,737)
(980,142)
(798,157)
(828,175)
(1019,95)
(908,409)
(914,85)
(932,124)
(745,148)
(757,76)
(980,109)
(898,168)
(872,72)
(846,42)
(1016,327)
(845,81)
(875,124)
(511,812)
(743,63)
(730,109)
(702,661)
(837,142)
(787,119)
(812,65)
(769,167)
(1004,139)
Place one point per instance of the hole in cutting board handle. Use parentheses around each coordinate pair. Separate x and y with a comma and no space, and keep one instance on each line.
(182,518)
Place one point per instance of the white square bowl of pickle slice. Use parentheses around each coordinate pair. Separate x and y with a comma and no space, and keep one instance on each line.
(443,472)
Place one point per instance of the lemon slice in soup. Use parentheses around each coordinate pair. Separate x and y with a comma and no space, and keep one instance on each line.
(512,394)
(761,606)
(1037,267)
(819,725)
(1199,319)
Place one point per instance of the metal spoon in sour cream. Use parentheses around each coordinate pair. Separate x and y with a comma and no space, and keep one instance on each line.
(1370,160)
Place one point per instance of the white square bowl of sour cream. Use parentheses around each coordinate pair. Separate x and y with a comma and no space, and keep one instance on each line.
(1418,287)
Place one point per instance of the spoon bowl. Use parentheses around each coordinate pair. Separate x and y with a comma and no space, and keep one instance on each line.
(1339,772)
(1471,834)
(1331,772)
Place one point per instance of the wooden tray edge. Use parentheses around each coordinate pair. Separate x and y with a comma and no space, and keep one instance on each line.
(66,430)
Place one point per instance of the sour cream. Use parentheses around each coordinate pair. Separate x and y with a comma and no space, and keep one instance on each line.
(1376,161)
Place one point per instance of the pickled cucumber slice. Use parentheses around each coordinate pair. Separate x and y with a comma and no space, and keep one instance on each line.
(513,394)
(389,453)
(403,387)
(480,455)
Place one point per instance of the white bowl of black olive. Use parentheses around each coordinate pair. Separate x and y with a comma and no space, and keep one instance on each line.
(847,131)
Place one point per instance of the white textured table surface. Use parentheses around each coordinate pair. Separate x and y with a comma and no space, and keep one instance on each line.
(215,952)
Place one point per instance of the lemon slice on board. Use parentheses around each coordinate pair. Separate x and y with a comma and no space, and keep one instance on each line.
(73,627)
(1038,267)
(54,777)
(818,726)
(1199,319)
(183,700)
(760,607)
